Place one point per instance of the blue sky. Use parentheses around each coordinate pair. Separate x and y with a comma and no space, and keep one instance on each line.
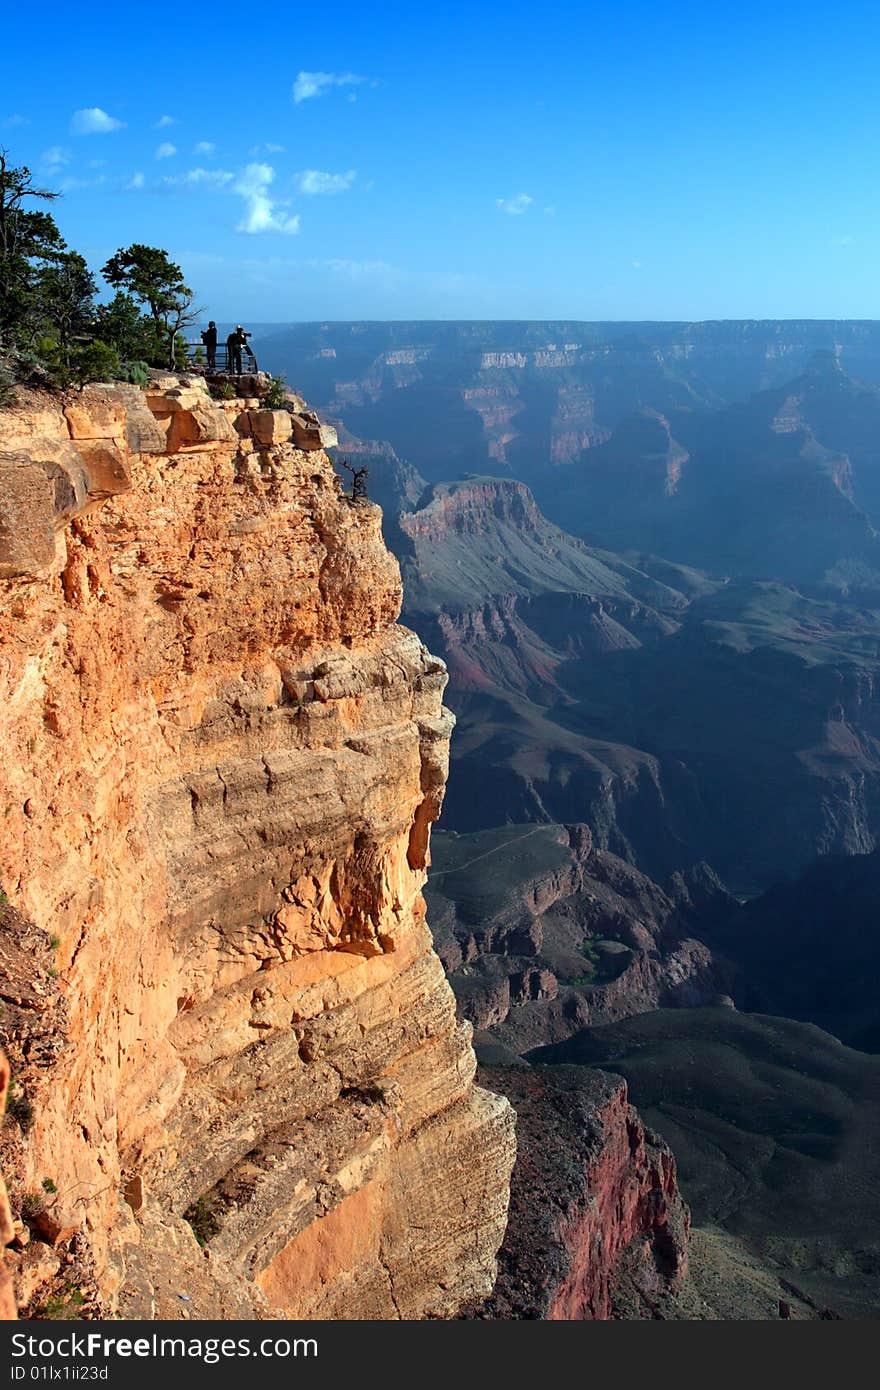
(618,161)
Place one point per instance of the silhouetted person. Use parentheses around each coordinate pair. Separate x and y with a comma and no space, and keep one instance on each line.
(358,480)
(234,344)
(232,347)
(209,338)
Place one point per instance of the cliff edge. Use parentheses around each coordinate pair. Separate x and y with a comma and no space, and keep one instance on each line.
(222,759)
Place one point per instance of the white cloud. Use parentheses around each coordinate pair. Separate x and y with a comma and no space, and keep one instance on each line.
(93,121)
(260,209)
(71,185)
(16,120)
(135,182)
(515,206)
(267,148)
(316,84)
(210,178)
(164,122)
(313,181)
(205,147)
(54,158)
(637,265)
(166,150)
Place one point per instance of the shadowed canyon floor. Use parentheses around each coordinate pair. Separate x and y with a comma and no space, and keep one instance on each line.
(774,1125)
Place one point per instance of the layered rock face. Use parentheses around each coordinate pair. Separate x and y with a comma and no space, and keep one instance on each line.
(229,757)
(597,1227)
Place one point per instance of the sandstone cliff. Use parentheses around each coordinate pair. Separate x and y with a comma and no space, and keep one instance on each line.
(222,757)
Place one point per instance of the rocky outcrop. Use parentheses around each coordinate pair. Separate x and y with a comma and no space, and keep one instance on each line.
(542,933)
(597,1226)
(230,758)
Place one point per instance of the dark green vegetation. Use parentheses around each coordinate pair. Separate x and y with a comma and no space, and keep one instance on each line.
(63,1306)
(147,276)
(776,1129)
(52,331)
(19,1107)
(204,1217)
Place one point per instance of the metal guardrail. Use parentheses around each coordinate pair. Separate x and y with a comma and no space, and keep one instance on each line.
(197,353)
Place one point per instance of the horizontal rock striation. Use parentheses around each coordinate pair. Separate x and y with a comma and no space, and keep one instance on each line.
(229,758)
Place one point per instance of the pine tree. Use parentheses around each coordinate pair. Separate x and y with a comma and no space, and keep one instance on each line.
(151,277)
(29,243)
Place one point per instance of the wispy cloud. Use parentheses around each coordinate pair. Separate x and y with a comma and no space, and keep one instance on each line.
(206,178)
(135,183)
(72,185)
(55,158)
(314,181)
(91,120)
(15,120)
(166,150)
(316,84)
(260,209)
(164,122)
(267,148)
(515,206)
(204,147)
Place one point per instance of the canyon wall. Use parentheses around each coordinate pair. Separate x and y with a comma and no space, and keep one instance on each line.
(597,1226)
(222,757)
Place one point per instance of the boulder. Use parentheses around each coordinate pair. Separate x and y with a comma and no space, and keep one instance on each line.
(270,426)
(96,415)
(56,1226)
(27,531)
(309,433)
(202,424)
(108,468)
(117,413)
(40,491)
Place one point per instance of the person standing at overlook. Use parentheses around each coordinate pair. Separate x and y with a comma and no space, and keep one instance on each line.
(234,344)
(209,338)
